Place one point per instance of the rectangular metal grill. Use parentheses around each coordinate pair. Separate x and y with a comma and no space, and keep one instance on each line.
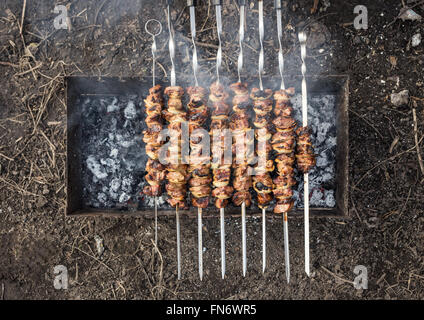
(79,88)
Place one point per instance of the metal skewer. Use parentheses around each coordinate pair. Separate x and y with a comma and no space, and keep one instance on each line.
(261,41)
(243,232)
(242,4)
(218,5)
(280,35)
(302,40)
(222,221)
(263,240)
(192,5)
(282,86)
(178,243)
(154,50)
(200,241)
(171,46)
(260,71)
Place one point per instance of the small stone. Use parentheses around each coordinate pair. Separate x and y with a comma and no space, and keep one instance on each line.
(45,190)
(416,40)
(41,202)
(393,61)
(99,245)
(411,15)
(357,40)
(318,35)
(400,98)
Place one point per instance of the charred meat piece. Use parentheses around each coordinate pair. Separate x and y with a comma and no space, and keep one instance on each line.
(283,143)
(305,152)
(177,172)
(155,171)
(262,182)
(239,125)
(219,123)
(199,164)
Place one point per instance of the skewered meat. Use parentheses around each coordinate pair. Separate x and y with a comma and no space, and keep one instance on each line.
(262,182)
(221,177)
(199,164)
(219,121)
(223,192)
(283,143)
(239,126)
(177,172)
(155,170)
(305,156)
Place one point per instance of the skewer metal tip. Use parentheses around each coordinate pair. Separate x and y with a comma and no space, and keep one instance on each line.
(302,37)
(263,240)
(243,228)
(306,218)
(156,221)
(222,220)
(200,242)
(178,243)
(286,246)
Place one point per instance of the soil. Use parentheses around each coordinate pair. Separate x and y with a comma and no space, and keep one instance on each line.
(107,38)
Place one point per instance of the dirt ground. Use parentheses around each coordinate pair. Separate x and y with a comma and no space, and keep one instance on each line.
(107,38)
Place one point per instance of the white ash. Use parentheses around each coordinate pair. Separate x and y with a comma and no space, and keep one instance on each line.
(322,121)
(96,169)
(130,112)
(113,159)
(409,15)
(112,107)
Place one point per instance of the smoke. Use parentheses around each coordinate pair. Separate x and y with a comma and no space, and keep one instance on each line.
(112,145)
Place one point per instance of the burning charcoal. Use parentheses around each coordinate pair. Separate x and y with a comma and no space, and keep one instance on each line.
(102,197)
(113,106)
(124,197)
(113,153)
(95,168)
(330,200)
(124,141)
(130,112)
(127,184)
(113,159)
(129,165)
(115,184)
(110,165)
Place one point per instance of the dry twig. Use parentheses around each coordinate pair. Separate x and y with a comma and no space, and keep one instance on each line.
(336,276)
(23,17)
(417,146)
